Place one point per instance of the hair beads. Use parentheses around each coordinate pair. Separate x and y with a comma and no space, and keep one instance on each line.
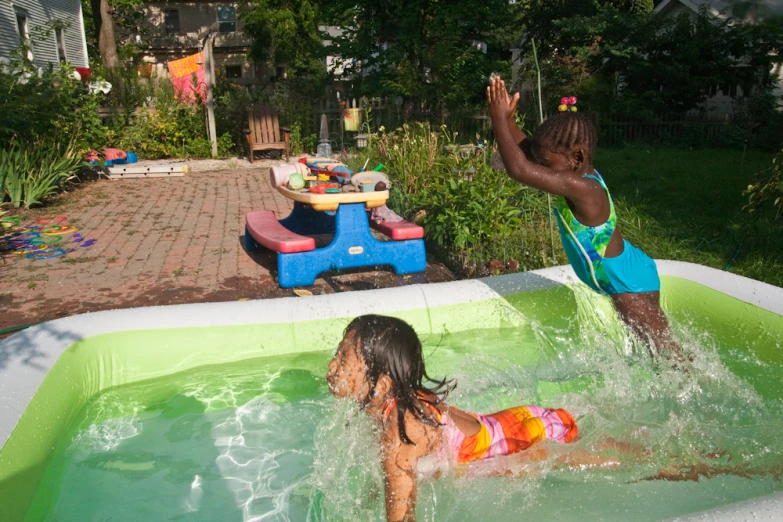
(567,103)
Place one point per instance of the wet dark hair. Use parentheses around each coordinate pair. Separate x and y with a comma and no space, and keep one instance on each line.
(564,131)
(390,346)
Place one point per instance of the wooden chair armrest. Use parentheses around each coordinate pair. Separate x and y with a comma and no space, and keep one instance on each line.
(285,129)
(245,131)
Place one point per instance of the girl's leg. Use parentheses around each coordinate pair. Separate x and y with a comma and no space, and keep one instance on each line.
(643,315)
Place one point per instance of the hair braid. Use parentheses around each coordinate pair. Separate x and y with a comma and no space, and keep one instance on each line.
(564,131)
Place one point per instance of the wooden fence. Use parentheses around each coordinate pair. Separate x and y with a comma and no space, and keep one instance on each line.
(682,132)
(391,114)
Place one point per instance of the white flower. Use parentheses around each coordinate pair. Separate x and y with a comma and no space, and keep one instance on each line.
(100,86)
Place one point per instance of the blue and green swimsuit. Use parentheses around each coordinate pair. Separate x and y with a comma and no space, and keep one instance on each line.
(632,271)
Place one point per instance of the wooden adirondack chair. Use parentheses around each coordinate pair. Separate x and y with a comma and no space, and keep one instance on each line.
(265,132)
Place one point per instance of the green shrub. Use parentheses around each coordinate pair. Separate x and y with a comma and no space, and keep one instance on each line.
(32,172)
(36,105)
(311,143)
(767,188)
(296,140)
(202,148)
(473,213)
(169,128)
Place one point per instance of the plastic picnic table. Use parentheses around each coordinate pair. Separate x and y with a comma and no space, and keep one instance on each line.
(353,246)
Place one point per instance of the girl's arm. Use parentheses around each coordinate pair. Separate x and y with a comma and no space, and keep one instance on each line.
(515,150)
(399,466)
(519,137)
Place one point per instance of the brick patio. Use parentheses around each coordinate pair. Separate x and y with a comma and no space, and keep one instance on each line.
(161,241)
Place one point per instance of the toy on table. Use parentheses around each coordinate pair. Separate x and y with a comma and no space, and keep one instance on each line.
(383,214)
(279,174)
(328,167)
(324,187)
(296,181)
(373,177)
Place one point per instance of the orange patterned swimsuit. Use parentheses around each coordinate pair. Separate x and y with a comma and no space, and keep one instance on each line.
(509,431)
(503,433)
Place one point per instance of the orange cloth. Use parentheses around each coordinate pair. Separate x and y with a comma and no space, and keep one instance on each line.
(182,71)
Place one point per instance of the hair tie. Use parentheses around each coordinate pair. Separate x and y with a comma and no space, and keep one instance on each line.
(567,101)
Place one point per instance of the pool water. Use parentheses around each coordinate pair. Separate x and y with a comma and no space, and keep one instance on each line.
(263,440)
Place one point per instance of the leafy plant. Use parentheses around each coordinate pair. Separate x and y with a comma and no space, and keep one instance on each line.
(312,143)
(33,172)
(473,213)
(36,104)
(768,188)
(296,140)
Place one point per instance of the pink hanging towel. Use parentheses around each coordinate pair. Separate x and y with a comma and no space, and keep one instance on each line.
(182,71)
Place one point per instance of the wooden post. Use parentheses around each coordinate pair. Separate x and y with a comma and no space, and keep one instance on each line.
(209,74)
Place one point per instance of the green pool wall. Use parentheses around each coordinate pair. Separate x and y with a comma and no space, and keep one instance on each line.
(98,363)
(93,365)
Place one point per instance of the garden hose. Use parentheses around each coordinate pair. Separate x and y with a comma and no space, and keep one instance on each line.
(733,258)
(17,328)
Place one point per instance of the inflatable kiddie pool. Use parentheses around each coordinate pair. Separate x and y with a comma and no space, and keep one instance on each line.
(53,375)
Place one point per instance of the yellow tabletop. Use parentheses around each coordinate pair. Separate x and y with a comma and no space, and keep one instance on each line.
(332,201)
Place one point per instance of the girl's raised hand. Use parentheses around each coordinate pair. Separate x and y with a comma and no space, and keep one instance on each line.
(501,105)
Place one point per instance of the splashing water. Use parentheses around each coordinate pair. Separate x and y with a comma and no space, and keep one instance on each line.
(263,440)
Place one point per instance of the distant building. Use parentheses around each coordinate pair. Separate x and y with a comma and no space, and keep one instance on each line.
(335,64)
(725,97)
(171,31)
(53,31)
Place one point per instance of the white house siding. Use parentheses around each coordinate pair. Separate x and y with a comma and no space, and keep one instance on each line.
(40,13)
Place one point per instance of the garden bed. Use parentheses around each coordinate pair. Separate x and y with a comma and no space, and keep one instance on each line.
(678,204)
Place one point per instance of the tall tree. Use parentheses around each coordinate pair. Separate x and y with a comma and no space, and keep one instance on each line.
(285,32)
(434,50)
(628,60)
(104,32)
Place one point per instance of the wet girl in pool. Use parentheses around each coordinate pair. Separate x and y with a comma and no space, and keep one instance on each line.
(559,160)
(379,364)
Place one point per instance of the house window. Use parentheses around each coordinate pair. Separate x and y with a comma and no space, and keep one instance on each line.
(729,89)
(227,19)
(59,35)
(747,88)
(233,71)
(23,26)
(171,21)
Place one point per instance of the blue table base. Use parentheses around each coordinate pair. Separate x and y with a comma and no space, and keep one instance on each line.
(353,246)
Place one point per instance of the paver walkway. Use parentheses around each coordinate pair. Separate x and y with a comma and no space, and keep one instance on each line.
(160,241)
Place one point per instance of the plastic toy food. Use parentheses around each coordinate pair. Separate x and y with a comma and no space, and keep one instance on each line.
(296,181)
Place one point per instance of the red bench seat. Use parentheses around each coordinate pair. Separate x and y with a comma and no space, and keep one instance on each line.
(263,226)
(399,230)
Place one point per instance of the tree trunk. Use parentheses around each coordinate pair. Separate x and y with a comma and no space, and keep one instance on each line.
(104,32)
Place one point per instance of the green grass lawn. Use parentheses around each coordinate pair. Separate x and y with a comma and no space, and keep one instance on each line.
(687,205)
